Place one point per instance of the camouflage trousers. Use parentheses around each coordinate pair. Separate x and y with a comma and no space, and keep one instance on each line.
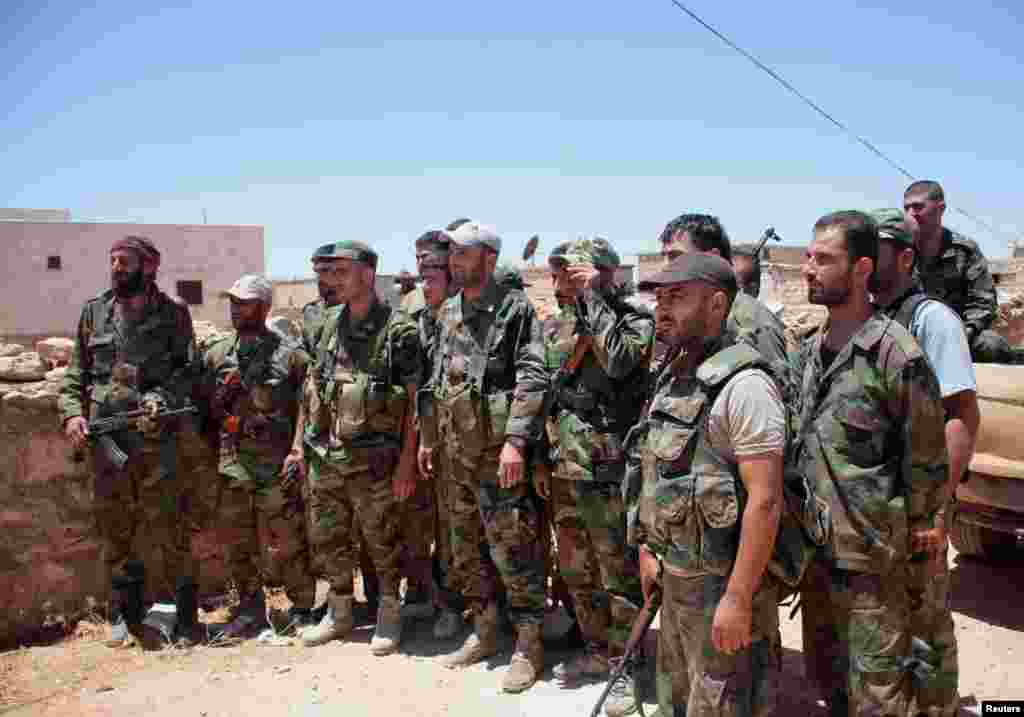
(601,572)
(856,639)
(931,620)
(147,501)
(265,539)
(495,536)
(416,533)
(696,680)
(342,504)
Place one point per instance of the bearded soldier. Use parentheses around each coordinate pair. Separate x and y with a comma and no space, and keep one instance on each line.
(872,443)
(707,516)
(254,378)
(487,391)
(356,424)
(598,353)
(135,349)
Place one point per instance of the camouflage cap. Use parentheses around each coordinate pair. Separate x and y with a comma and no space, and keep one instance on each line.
(892,226)
(596,251)
(354,250)
(433,239)
(474,234)
(510,278)
(251,287)
(707,268)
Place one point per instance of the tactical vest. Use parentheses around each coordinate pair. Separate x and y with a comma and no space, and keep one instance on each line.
(698,499)
(350,406)
(593,410)
(254,406)
(473,394)
(126,363)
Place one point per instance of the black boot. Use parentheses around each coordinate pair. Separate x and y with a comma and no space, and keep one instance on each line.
(186,605)
(126,605)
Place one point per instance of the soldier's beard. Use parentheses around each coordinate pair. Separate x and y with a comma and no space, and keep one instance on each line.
(831,296)
(328,294)
(126,286)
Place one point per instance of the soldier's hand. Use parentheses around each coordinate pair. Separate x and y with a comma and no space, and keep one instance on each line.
(425,462)
(510,466)
(582,276)
(403,484)
(650,571)
(148,423)
(730,631)
(77,430)
(293,470)
(542,481)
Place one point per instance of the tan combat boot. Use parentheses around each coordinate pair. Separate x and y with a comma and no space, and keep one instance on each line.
(527,660)
(389,627)
(481,643)
(336,623)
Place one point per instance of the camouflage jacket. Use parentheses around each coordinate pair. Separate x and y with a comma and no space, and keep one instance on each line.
(314,315)
(113,365)
(959,276)
(355,394)
(490,350)
(871,440)
(593,407)
(253,394)
(754,324)
(684,499)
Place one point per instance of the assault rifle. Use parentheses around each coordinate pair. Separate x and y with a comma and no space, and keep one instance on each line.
(630,658)
(101,430)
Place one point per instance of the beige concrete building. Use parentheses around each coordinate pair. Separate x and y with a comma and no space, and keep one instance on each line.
(51,268)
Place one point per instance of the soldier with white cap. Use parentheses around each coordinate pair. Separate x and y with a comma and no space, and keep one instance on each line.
(252,380)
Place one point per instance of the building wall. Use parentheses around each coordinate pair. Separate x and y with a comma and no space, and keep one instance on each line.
(35,300)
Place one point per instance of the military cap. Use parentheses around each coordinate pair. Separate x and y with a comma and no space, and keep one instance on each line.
(474,234)
(249,287)
(433,238)
(706,268)
(354,250)
(456,223)
(596,251)
(510,278)
(432,260)
(892,225)
(142,245)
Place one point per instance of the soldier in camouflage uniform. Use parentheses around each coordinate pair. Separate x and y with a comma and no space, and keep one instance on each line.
(135,348)
(751,321)
(704,491)
(429,505)
(314,315)
(952,268)
(598,351)
(253,378)
(356,423)
(871,439)
(487,391)
(941,335)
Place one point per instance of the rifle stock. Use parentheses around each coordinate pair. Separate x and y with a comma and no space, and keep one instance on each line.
(641,625)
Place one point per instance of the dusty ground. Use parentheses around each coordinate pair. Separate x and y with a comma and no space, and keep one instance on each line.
(79,676)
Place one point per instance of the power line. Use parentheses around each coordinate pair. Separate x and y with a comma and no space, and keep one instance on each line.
(817,108)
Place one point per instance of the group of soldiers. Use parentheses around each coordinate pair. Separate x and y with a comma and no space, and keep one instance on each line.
(675,449)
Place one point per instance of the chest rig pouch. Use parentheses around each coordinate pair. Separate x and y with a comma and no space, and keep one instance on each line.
(472,412)
(350,404)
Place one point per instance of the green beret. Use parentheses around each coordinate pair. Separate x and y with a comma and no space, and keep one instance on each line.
(354,250)
(892,226)
(695,266)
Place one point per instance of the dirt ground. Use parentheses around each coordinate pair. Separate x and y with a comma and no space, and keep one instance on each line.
(79,676)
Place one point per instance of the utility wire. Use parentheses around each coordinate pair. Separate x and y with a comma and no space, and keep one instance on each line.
(817,108)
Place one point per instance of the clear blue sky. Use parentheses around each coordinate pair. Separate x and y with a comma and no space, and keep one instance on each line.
(377,121)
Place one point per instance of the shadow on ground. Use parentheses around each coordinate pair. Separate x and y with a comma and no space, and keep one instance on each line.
(988,590)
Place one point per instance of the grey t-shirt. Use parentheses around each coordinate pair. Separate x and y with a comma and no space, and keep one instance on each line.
(748,418)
